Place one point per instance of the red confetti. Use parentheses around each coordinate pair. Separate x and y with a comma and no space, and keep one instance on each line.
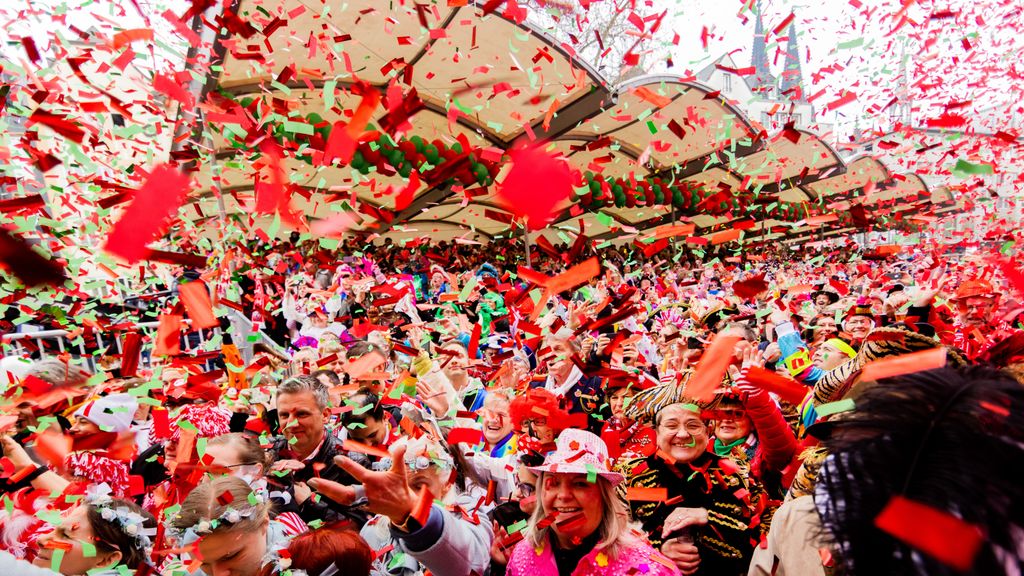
(168,332)
(130,348)
(143,221)
(935,532)
(31,267)
(470,436)
(750,287)
(58,124)
(196,299)
(161,423)
(174,90)
(708,374)
(536,184)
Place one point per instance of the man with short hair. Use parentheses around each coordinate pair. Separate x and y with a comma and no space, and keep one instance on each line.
(859,322)
(368,422)
(306,449)
(577,393)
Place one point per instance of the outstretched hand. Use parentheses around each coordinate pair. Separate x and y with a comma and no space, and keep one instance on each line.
(387,493)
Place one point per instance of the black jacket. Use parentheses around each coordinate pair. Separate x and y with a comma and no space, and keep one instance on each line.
(325,510)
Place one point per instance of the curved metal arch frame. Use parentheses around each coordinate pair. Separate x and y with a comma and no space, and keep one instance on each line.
(611,95)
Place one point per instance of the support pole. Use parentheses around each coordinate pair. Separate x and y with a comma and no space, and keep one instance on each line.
(675,245)
(526,244)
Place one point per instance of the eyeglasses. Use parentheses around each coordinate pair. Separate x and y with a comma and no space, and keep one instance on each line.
(535,422)
(526,489)
(731,414)
(692,427)
(221,470)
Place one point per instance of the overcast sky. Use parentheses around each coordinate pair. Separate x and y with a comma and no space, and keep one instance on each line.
(950,44)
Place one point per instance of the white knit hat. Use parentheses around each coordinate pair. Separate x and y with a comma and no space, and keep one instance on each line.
(111,413)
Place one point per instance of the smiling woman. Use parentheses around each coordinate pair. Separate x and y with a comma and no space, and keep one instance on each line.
(231,527)
(698,520)
(579,525)
(98,537)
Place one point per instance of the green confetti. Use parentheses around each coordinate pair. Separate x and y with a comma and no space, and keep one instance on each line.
(517,527)
(464,295)
(835,407)
(396,560)
(299,128)
(964,168)
(850,44)
(56,559)
(591,473)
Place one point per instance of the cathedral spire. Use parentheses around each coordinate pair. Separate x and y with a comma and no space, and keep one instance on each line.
(763,80)
(792,82)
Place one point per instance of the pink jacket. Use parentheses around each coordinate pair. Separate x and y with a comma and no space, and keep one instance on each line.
(526,561)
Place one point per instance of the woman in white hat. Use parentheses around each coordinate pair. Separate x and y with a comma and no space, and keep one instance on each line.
(580,526)
(99,452)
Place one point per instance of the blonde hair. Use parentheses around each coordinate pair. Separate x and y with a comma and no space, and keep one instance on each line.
(214,499)
(615,529)
(58,372)
(328,344)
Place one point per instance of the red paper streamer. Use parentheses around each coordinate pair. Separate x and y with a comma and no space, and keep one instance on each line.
(168,332)
(196,299)
(31,267)
(129,36)
(536,184)
(353,446)
(788,389)
(638,494)
(130,347)
(935,532)
(905,364)
(143,221)
(708,374)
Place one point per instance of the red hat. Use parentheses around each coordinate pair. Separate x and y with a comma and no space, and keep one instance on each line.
(973,288)
(861,308)
(538,402)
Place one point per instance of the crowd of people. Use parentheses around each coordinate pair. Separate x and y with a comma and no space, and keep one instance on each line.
(449,409)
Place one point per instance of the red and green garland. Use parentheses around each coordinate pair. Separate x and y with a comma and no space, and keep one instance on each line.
(389,156)
(380,151)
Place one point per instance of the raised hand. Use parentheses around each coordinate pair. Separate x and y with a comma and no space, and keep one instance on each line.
(387,493)
(752,357)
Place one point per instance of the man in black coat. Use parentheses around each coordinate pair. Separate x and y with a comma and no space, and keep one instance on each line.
(306,449)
